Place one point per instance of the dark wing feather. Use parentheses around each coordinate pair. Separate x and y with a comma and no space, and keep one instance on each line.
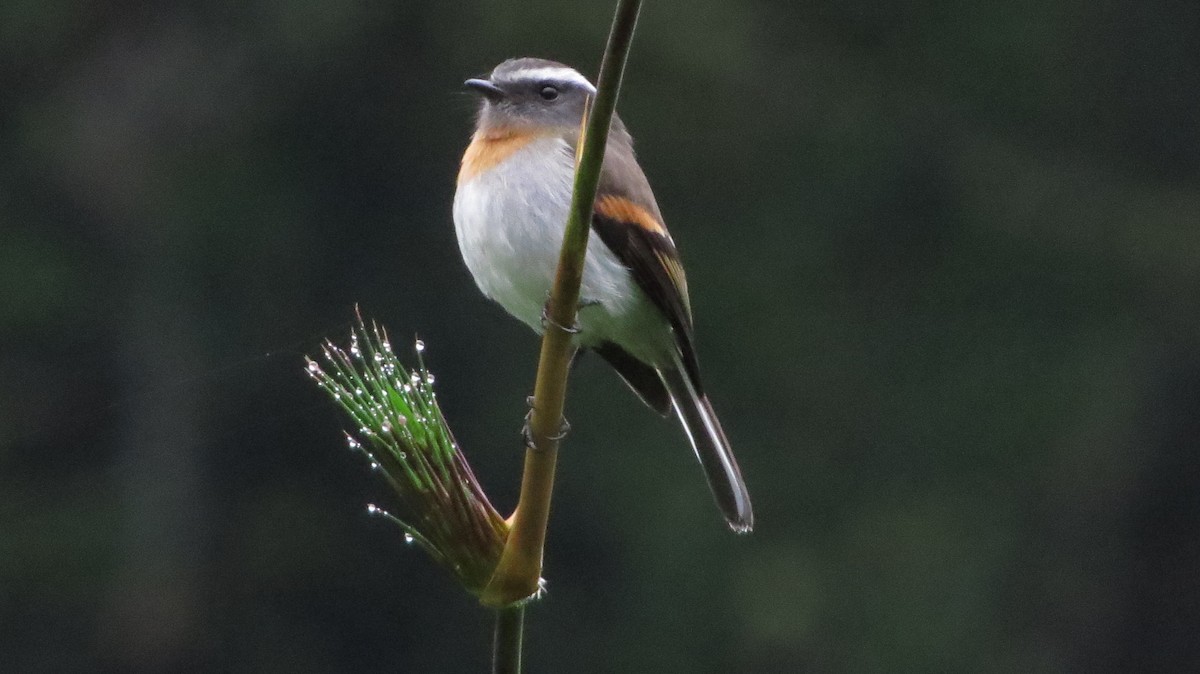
(627,219)
(640,377)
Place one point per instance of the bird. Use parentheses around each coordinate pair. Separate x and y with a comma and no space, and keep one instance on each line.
(510,210)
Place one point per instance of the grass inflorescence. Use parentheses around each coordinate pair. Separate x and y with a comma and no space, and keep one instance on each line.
(400,428)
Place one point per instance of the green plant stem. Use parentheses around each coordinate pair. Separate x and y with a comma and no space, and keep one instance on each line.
(520,568)
(506,645)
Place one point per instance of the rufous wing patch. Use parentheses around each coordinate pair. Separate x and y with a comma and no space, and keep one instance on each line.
(621,209)
(489,149)
(624,210)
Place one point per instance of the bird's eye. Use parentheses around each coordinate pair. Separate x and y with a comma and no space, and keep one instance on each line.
(549,93)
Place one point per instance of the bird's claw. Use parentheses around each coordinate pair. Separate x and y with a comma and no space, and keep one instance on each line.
(563,429)
(547,321)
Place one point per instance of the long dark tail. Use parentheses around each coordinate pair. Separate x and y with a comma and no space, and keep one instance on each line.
(708,440)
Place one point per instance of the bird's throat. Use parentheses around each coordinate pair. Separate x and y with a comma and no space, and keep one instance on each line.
(491,147)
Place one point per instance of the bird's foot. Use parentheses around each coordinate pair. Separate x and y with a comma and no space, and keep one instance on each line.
(528,434)
(574,329)
(547,322)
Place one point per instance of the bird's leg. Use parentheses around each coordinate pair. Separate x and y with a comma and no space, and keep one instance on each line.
(528,435)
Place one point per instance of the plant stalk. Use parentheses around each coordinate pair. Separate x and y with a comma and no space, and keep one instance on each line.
(519,572)
(506,644)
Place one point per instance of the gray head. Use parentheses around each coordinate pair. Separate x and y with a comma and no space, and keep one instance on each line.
(531,92)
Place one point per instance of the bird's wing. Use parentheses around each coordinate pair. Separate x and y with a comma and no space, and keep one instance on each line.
(628,221)
(642,378)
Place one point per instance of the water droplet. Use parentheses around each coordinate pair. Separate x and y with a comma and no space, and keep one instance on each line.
(429,378)
(358,391)
(419,346)
(408,538)
(403,456)
(373,509)
(401,419)
(374,466)
(387,346)
(415,378)
(313,367)
(386,427)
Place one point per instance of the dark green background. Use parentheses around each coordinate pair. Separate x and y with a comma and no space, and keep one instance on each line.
(945,262)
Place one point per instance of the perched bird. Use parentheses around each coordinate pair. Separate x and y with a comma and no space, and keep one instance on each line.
(514,191)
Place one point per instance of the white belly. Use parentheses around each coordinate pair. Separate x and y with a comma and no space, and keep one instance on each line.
(510,221)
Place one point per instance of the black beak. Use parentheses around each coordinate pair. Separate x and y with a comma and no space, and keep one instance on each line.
(485,87)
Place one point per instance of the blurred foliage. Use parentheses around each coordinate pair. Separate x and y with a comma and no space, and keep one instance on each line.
(944,259)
